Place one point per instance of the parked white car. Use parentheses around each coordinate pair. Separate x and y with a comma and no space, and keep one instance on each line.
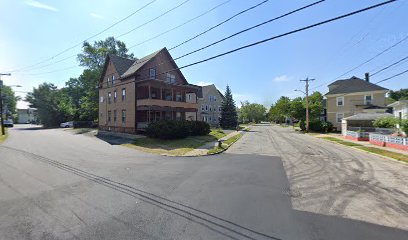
(67,125)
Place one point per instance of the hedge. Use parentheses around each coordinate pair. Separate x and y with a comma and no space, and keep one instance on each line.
(171,129)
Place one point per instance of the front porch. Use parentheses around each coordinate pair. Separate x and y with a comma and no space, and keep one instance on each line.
(149,114)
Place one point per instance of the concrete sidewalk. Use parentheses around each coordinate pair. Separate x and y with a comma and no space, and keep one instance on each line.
(202,150)
(363,143)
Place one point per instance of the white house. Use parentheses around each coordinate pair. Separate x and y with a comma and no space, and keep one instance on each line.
(400,109)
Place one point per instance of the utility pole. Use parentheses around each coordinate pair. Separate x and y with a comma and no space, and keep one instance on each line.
(3,132)
(307,101)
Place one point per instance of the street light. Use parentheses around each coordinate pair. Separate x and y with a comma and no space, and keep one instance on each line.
(297,90)
(1,102)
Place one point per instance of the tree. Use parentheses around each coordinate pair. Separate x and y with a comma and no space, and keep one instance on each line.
(93,56)
(315,105)
(297,109)
(229,117)
(385,122)
(402,94)
(82,91)
(280,110)
(10,101)
(253,112)
(53,105)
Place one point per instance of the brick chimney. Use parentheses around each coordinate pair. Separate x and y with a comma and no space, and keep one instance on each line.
(367,77)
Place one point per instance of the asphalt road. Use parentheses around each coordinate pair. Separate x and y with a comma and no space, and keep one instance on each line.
(58,185)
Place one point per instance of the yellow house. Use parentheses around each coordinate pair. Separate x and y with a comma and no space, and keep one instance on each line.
(351,96)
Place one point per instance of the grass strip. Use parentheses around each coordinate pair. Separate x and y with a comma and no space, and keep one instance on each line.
(3,137)
(382,152)
(225,145)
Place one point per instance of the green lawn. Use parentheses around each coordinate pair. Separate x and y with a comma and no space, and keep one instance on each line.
(350,144)
(175,147)
(379,151)
(225,145)
(3,137)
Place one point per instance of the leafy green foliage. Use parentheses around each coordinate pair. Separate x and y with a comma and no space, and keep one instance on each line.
(53,105)
(315,105)
(93,56)
(297,109)
(78,100)
(385,122)
(229,116)
(9,101)
(404,126)
(401,94)
(280,110)
(171,129)
(252,112)
(198,128)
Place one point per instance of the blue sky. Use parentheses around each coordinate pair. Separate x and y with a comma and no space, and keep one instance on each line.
(32,31)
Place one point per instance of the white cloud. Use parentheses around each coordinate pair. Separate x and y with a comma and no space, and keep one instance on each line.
(95,15)
(282,78)
(37,4)
(204,83)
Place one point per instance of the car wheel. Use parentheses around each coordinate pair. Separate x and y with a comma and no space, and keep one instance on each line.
(66,126)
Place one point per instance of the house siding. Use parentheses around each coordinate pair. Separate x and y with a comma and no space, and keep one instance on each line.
(206,114)
(353,104)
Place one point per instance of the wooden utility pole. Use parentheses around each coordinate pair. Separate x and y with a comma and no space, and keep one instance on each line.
(307,101)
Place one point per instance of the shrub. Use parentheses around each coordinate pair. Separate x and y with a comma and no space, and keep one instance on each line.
(327,127)
(315,126)
(168,129)
(198,128)
(404,126)
(385,122)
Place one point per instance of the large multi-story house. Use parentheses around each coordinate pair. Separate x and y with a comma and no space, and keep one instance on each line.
(210,105)
(351,96)
(133,93)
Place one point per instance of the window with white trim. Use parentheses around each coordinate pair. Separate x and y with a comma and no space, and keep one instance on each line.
(339,117)
(206,107)
(152,73)
(368,99)
(202,107)
(101,99)
(340,101)
(113,80)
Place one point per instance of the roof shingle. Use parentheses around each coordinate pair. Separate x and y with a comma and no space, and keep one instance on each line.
(352,85)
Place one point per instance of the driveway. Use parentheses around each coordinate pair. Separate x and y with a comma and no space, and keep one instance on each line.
(58,185)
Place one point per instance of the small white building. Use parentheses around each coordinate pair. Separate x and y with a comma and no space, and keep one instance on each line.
(400,109)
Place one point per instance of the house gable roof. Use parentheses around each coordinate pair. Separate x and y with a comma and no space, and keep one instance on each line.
(353,85)
(121,64)
(139,64)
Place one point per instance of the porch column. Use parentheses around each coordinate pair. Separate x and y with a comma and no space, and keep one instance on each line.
(161,93)
(150,92)
(172,94)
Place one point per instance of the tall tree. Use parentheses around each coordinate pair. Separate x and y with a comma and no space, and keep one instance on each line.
(297,109)
(280,110)
(93,56)
(82,91)
(53,105)
(315,105)
(401,94)
(253,112)
(10,101)
(229,117)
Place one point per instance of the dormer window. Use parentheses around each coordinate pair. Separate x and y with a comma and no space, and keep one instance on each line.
(152,73)
(113,80)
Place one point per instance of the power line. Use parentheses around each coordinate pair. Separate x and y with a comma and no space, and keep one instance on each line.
(389,66)
(389,78)
(141,25)
(271,38)
(97,34)
(219,24)
(258,25)
(178,26)
(250,28)
(155,18)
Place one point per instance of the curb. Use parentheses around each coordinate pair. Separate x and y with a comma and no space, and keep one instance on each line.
(361,150)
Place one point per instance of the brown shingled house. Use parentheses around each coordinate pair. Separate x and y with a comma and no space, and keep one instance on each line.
(133,93)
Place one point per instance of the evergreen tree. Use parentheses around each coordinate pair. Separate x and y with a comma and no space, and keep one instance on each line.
(229,117)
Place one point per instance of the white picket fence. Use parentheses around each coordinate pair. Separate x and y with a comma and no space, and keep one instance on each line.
(388,139)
